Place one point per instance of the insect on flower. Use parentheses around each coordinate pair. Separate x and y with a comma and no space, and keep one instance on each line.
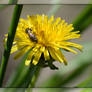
(45,37)
(31,36)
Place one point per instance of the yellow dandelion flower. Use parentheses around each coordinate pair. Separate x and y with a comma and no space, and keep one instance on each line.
(45,36)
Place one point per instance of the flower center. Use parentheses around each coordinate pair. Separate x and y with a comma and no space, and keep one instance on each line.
(42,38)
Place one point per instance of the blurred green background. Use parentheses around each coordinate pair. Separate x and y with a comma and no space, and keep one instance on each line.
(79,66)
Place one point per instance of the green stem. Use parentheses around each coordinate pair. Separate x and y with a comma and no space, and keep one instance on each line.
(8,45)
(33,80)
(13,1)
(26,78)
(35,77)
(32,84)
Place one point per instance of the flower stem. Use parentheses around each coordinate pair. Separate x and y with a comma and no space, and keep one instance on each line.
(8,45)
(26,77)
